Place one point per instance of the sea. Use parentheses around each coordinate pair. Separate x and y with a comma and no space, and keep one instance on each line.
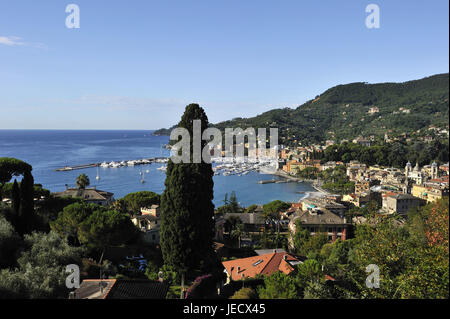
(47,150)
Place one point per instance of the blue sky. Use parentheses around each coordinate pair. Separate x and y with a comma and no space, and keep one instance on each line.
(136,64)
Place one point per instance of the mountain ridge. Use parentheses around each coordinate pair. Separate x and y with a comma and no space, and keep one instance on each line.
(346,111)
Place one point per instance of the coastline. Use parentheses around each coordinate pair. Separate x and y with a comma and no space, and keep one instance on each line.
(320,192)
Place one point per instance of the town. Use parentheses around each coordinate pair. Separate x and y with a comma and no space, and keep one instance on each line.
(258,249)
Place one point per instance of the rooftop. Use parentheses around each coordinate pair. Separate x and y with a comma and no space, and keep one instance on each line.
(121,289)
(319,217)
(85,193)
(265,264)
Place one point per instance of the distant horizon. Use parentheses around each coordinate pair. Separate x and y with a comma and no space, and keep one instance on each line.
(138,66)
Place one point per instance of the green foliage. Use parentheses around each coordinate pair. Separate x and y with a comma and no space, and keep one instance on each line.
(187,225)
(278,286)
(343,110)
(69,221)
(245,293)
(273,209)
(308,173)
(251,209)
(9,243)
(27,219)
(300,237)
(41,271)
(94,225)
(230,205)
(10,167)
(107,228)
(395,154)
(317,290)
(39,191)
(133,202)
(49,208)
(83,181)
(305,244)
(335,180)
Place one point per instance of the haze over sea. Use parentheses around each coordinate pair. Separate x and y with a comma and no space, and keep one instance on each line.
(47,150)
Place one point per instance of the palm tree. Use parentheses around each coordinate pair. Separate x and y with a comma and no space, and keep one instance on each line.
(237,233)
(83,181)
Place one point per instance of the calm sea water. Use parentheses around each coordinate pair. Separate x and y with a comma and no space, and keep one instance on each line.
(47,150)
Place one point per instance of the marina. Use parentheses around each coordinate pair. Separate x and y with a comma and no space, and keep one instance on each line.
(221,166)
(113,164)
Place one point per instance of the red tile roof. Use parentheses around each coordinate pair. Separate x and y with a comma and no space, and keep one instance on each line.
(266,264)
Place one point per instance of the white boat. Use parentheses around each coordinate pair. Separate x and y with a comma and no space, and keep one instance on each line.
(114,164)
(98,176)
(162,168)
(104,164)
(147,171)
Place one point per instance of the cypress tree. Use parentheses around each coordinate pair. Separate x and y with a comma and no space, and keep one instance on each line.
(26,210)
(187,211)
(15,196)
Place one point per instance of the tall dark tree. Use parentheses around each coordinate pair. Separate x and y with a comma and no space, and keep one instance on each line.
(15,197)
(10,167)
(187,225)
(26,210)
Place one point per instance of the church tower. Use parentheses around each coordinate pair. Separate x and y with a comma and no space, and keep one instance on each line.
(434,170)
(407,169)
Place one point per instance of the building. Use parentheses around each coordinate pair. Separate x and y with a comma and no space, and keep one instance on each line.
(120,289)
(330,164)
(90,195)
(319,220)
(373,110)
(148,223)
(253,222)
(400,203)
(323,203)
(362,187)
(265,264)
(291,167)
(361,141)
(355,170)
(154,210)
(415,174)
(357,200)
(429,192)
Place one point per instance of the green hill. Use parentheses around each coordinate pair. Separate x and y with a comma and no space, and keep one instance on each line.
(342,112)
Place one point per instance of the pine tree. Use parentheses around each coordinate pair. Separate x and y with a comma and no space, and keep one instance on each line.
(26,210)
(187,225)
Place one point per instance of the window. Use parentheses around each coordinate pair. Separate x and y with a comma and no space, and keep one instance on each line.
(257,263)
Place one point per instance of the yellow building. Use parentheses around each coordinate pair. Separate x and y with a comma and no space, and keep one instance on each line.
(430,194)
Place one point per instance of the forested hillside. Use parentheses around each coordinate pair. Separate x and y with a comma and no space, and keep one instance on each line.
(342,112)
(350,110)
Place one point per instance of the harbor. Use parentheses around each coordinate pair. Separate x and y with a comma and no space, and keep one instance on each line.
(115,164)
